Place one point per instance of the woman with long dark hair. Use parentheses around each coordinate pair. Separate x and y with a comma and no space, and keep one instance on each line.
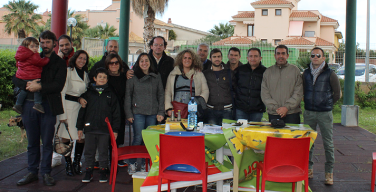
(144,101)
(117,81)
(76,84)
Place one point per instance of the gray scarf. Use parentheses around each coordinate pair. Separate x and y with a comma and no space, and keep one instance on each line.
(316,72)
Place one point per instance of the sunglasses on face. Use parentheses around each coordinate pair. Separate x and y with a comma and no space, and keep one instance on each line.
(114,63)
(317,55)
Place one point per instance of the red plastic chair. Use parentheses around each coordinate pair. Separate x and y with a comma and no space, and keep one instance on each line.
(182,150)
(121,153)
(285,160)
(373,171)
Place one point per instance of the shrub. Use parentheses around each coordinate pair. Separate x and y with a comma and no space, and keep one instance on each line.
(7,70)
(93,60)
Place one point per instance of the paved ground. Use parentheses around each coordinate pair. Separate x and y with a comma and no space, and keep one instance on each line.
(352,172)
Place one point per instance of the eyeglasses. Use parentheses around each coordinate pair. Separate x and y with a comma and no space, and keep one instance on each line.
(317,55)
(156,45)
(114,63)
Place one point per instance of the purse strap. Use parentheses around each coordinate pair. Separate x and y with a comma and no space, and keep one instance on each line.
(66,127)
(190,86)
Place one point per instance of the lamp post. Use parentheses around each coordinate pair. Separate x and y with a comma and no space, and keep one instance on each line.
(72,22)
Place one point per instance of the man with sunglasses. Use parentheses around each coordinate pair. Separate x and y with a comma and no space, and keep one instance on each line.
(321,91)
(282,88)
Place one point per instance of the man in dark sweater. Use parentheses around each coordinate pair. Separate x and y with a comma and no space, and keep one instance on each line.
(321,91)
(111,48)
(41,126)
(248,79)
(219,80)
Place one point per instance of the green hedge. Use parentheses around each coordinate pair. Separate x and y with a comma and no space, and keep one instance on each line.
(8,69)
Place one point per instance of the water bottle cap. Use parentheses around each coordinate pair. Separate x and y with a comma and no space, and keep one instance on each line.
(192,97)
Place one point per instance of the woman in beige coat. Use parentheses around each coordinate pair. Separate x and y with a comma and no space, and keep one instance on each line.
(187,66)
(75,85)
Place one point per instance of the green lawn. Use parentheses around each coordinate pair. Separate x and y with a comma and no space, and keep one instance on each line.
(10,137)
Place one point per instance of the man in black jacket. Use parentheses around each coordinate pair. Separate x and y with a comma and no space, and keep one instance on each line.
(234,59)
(219,81)
(161,61)
(248,87)
(321,91)
(111,48)
(41,126)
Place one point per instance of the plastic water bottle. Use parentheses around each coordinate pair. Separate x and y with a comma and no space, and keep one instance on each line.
(192,114)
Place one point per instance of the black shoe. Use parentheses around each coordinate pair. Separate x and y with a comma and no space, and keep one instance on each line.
(38,107)
(68,166)
(88,175)
(30,177)
(48,180)
(76,165)
(103,175)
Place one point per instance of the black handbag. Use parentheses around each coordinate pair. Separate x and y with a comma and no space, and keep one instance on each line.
(277,123)
(59,146)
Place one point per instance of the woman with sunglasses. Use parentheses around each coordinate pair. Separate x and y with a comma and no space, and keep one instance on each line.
(144,101)
(117,81)
(76,84)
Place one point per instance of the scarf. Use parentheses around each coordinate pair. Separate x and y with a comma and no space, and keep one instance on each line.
(316,72)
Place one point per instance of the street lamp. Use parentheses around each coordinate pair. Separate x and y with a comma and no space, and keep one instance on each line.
(72,22)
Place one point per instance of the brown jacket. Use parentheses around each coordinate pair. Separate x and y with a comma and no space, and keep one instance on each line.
(201,88)
(282,87)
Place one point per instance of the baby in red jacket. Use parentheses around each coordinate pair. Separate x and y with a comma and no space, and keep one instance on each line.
(30,66)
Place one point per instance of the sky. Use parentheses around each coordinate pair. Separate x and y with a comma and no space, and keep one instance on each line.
(204,14)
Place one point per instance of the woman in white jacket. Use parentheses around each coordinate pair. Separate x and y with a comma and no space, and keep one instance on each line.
(187,66)
(75,85)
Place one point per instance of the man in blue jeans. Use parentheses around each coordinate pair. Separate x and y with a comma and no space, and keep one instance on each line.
(248,80)
(219,83)
(41,126)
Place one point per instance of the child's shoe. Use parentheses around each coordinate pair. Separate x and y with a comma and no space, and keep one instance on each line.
(17,108)
(88,175)
(132,168)
(103,175)
(38,107)
(122,163)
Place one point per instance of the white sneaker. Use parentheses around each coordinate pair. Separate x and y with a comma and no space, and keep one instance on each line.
(143,168)
(132,168)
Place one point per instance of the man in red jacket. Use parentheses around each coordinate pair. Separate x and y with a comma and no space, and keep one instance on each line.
(66,50)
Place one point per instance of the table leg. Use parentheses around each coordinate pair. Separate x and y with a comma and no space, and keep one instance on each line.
(299,186)
(219,157)
(236,177)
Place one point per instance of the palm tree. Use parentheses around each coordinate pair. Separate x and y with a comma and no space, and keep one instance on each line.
(106,31)
(223,30)
(147,9)
(22,20)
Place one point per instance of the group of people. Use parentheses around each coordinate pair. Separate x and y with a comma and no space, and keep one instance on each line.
(63,92)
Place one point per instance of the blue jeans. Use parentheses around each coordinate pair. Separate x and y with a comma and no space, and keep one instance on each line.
(254,116)
(140,123)
(39,126)
(23,94)
(216,116)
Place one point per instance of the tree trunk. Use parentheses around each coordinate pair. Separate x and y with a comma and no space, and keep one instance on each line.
(21,34)
(148,27)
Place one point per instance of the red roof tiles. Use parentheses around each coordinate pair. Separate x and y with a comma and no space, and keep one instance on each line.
(234,40)
(271,2)
(296,14)
(245,14)
(327,19)
(296,41)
